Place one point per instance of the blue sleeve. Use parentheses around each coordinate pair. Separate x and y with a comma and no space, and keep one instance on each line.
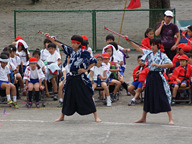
(166,59)
(66,49)
(89,57)
(65,62)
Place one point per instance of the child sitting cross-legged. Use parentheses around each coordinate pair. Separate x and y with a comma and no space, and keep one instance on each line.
(136,84)
(100,75)
(5,81)
(181,76)
(33,77)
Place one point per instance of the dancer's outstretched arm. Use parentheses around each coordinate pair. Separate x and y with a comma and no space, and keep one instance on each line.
(136,47)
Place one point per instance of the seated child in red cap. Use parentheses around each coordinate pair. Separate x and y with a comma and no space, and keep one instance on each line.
(33,77)
(181,76)
(22,52)
(85,40)
(54,57)
(136,84)
(187,47)
(98,76)
(106,64)
(5,81)
(177,56)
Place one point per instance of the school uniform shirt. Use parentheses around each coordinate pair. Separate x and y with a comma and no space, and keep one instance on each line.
(22,56)
(120,47)
(41,63)
(44,54)
(106,66)
(121,58)
(90,49)
(11,65)
(53,57)
(33,74)
(4,72)
(16,60)
(66,68)
(179,73)
(98,71)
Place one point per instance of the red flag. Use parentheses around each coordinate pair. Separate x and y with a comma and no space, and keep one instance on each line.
(134,4)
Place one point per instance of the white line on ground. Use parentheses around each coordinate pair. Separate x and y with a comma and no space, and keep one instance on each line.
(107,136)
(107,123)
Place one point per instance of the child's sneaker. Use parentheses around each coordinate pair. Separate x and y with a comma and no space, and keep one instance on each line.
(29,104)
(55,97)
(131,103)
(37,105)
(108,103)
(112,97)
(60,104)
(9,102)
(15,105)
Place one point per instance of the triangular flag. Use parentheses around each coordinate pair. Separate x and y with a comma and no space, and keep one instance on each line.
(134,4)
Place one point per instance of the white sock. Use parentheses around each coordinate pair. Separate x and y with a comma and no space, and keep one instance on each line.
(61,100)
(133,99)
(14,98)
(108,98)
(8,97)
(93,99)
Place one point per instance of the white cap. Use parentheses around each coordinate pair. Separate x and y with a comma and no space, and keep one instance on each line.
(168,13)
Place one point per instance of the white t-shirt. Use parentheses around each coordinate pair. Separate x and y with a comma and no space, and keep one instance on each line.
(41,63)
(121,57)
(10,64)
(4,72)
(97,71)
(54,57)
(22,56)
(44,54)
(120,47)
(106,66)
(34,74)
(66,68)
(16,60)
(90,49)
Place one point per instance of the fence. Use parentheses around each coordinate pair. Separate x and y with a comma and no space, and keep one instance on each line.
(65,23)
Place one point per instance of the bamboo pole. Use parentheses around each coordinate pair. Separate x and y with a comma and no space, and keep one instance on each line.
(122,21)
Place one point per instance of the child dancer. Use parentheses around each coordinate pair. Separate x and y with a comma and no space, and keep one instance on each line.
(181,76)
(5,81)
(22,52)
(98,71)
(157,92)
(78,100)
(149,34)
(136,84)
(33,77)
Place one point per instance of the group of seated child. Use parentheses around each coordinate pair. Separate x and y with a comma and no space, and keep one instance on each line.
(37,72)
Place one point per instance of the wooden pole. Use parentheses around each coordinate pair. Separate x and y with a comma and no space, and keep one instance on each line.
(122,21)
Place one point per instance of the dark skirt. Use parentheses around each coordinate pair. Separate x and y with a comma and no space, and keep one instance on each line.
(155,100)
(77,97)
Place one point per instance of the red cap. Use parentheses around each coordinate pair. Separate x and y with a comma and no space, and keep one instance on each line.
(181,45)
(106,55)
(184,57)
(98,55)
(53,72)
(85,38)
(109,46)
(33,60)
(18,38)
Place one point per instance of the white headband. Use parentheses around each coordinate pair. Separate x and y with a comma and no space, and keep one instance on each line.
(4,60)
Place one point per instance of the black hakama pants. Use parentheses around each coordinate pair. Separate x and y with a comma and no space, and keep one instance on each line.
(155,100)
(77,97)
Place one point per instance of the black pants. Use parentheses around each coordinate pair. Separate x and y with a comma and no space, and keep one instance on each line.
(170,53)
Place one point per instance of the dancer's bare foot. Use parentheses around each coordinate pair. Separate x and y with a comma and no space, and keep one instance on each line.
(59,119)
(171,122)
(98,120)
(140,121)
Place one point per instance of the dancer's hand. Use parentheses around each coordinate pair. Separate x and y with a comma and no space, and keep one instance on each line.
(154,64)
(81,70)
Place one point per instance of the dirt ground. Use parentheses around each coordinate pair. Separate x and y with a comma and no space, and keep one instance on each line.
(136,22)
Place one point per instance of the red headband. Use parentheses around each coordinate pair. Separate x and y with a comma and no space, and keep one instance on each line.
(75,41)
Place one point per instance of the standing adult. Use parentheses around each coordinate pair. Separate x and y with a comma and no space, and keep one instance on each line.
(167,30)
